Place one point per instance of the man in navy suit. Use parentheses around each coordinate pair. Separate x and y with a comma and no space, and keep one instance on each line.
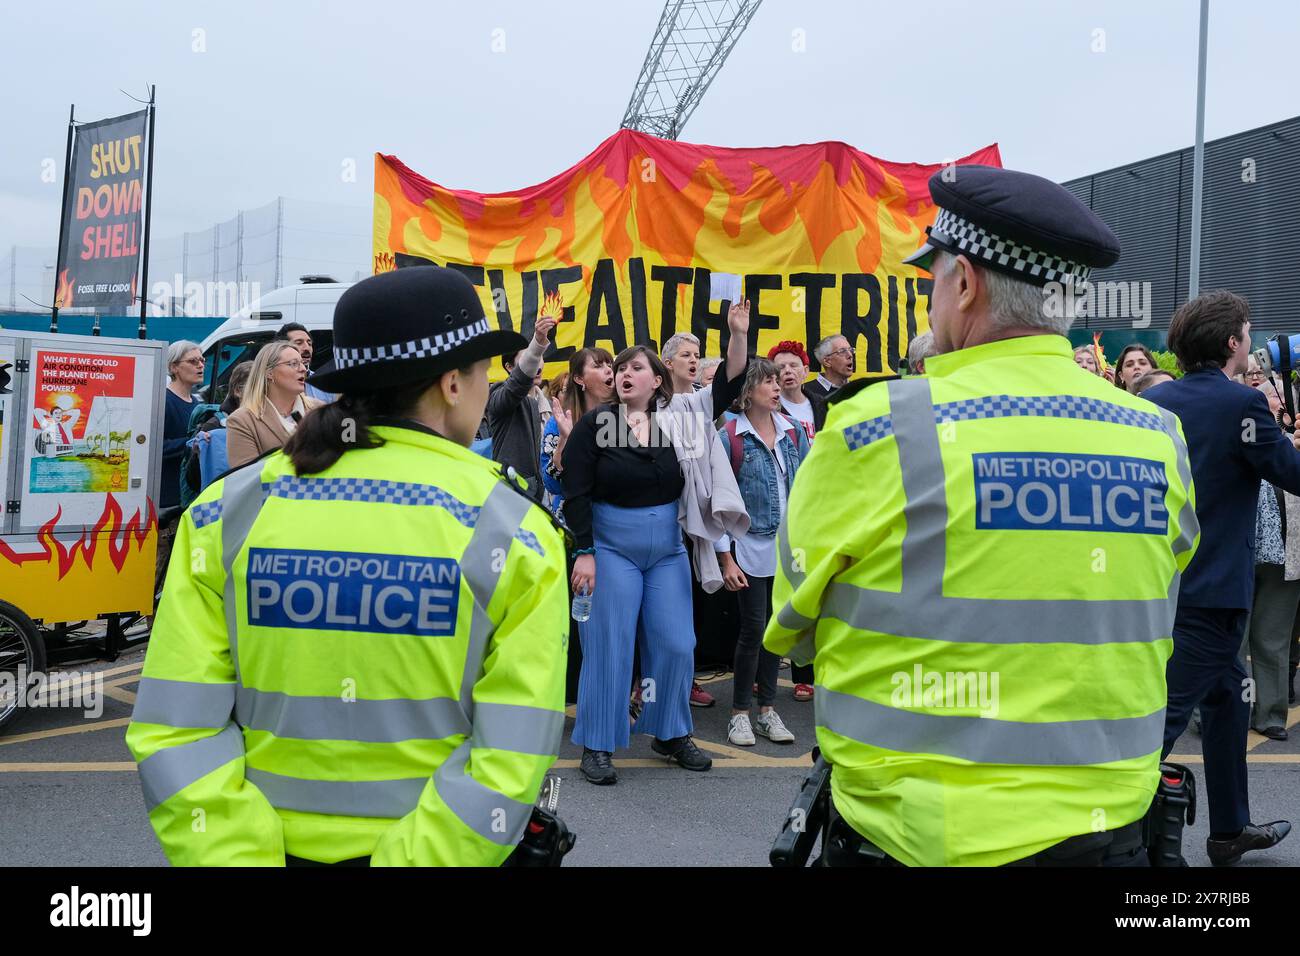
(1233,442)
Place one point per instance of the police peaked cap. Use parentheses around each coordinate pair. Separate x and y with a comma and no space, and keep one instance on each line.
(1015,223)
(413,324)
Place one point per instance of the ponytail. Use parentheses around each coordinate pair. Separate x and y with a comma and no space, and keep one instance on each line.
(325,433)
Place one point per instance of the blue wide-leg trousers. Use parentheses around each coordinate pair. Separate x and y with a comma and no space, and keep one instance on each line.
(642,572)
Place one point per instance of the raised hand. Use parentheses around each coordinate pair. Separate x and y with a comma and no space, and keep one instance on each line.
(738,318)
(542,331)
(563,420)
(549,314)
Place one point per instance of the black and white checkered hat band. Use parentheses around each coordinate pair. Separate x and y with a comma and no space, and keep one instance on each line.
(420,348)
(1037,267)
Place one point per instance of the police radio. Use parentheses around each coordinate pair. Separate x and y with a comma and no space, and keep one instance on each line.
(1281,354)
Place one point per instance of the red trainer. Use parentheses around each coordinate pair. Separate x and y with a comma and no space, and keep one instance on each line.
(803,692)
(701,697)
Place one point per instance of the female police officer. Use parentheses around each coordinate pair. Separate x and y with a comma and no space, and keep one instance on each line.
(359,656)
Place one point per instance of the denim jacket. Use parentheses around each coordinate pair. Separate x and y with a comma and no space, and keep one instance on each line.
(758,472)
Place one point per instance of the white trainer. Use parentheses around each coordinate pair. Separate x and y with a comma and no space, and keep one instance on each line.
(739,732)
(770,726)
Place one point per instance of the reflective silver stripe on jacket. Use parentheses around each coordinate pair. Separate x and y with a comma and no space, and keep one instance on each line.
(1189,525)
(183,703)
(170,770)
(241,502)
(511,727)
(989,740)
(787,617)
(491,815)
(482,563)
(344,798)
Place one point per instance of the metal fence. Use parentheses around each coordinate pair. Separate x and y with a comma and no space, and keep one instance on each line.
(258,250)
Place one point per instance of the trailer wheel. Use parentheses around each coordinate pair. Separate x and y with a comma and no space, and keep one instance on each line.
(21,648)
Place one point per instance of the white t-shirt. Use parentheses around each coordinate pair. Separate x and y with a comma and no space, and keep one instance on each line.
(801,412)
(756,553)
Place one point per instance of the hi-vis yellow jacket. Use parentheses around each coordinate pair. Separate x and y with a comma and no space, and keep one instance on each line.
(367,661)
(985,564)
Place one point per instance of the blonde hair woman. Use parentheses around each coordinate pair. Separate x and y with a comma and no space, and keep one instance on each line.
(272,406)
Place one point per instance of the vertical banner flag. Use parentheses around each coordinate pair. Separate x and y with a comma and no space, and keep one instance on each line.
(101,244)
(630,236)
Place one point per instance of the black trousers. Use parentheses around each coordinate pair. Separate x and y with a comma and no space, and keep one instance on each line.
(1206,669)
(753,660)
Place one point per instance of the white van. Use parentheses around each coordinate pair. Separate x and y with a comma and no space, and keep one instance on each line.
(310,303)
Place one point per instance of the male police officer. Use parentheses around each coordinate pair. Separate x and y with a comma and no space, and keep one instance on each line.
(991,623)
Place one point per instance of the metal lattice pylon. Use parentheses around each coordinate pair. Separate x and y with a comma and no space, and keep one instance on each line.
(690,45)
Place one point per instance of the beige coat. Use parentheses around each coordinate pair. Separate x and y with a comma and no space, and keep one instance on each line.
(710,505)
(250,436)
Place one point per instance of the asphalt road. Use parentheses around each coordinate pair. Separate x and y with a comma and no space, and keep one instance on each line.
(71,798)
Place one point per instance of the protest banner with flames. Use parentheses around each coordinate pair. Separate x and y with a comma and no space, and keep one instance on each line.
(630,236)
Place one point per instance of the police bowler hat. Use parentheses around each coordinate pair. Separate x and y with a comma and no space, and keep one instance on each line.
(401,327)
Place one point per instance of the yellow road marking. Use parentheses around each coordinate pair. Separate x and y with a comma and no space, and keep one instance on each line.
(1254,740)
(117,693)
(117,766)
(107,672)
(65,731)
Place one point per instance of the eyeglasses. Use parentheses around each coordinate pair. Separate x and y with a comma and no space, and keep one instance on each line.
(296,363)
(198,362)
(843,351)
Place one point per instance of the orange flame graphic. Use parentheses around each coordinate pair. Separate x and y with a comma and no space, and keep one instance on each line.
(109,525)
(630,232)
(63,296)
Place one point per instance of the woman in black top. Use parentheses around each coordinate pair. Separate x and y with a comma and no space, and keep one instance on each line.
(622,482)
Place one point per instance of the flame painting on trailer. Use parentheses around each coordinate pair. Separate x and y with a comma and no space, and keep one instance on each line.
(75,574)
(629,237)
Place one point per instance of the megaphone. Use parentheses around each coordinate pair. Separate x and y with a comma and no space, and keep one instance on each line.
(1281,354)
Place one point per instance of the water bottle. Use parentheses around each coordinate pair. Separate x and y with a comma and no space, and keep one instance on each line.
(581,609)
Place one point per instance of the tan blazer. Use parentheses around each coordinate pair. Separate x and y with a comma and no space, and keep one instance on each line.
(250,436)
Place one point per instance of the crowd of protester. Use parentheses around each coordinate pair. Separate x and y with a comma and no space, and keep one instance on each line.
(602,446)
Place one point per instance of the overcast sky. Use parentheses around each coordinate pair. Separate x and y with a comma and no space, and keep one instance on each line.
(259,100)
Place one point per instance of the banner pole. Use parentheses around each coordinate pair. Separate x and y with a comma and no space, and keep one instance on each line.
(148,217)
(63,218)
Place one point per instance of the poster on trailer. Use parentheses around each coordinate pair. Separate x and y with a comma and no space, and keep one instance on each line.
(81,422)
(101,227)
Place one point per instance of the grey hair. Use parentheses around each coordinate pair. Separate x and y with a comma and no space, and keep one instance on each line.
(1016,304)
(675,343)
(921,348)
(176,351)
(705,365)
(760,370)
(823,348)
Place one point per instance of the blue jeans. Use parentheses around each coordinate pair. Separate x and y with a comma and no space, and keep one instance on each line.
(641,570)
